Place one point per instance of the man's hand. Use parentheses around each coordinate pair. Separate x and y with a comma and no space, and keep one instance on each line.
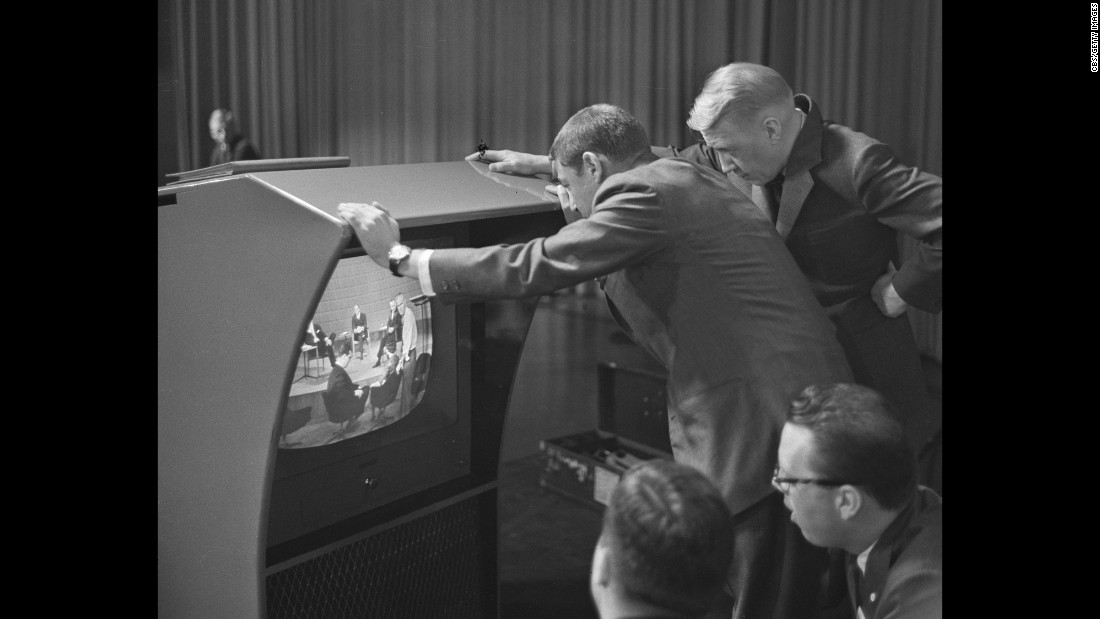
(513,161)
(358,393)
(565,199)
(376,229)
(886,298)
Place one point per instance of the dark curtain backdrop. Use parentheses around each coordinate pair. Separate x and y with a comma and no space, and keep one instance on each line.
(413,81)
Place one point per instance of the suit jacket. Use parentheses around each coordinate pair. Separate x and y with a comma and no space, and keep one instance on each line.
(315,338)
(701,282)
(408,330)
(342,391)
(386,391)
(904,576)
(238,149)
(359,321)
(394,322)
(845,197)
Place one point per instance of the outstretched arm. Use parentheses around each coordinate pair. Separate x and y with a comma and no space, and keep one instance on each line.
(513,161)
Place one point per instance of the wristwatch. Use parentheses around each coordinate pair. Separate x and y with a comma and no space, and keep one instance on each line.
(398,254)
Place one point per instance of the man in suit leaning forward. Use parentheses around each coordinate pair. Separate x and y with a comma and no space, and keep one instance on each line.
(838,198)
(700,281)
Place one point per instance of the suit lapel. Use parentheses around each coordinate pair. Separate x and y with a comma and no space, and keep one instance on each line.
(761,198)
(853,591)
(797,181)
(795,190)
(874,579)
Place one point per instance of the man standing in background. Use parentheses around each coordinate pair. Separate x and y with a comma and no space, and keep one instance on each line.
(229,143)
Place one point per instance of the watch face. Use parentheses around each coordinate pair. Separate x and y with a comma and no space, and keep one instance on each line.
(399,253)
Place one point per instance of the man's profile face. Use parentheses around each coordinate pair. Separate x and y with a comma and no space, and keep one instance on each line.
(356,309)
(401,303)
(393,304)
(217,127)
(812,506)
(745,149)
(581,184)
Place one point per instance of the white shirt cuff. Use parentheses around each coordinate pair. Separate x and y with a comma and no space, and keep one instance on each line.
(423,274)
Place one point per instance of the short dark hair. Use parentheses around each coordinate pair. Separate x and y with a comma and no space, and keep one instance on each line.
(670,536)
(343,347)
(604,129)
(858,439)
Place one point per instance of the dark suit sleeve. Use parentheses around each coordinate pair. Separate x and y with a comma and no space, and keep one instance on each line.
(245,150)
(342,383)
(626,226)
(696,153)
(909,201)
(342,388)
(705,156)
(916,595)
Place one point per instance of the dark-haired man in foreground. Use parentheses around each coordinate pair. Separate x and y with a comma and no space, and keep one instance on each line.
(849,477)
(701,280)
(665,547)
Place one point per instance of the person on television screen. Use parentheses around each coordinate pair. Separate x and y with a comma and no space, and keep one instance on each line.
(839,199)
(407,335)
(344,393)
(849,476)
(229,143)
(315,336)
(665,546)
(696,274)
(387,344)
(359,329)
(385,390)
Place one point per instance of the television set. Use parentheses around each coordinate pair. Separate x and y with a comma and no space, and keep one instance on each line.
(267,507)
(408,430)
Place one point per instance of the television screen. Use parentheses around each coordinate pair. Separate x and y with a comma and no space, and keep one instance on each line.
(378,406)
(365,357)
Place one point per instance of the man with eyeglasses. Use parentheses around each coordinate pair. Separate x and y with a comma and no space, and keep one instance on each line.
(848,475)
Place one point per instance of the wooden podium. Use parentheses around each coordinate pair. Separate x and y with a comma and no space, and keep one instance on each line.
(249,253)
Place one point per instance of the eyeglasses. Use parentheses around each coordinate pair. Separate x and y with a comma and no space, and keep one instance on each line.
(783,484)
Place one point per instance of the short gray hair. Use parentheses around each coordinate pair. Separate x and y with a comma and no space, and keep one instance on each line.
(742,89)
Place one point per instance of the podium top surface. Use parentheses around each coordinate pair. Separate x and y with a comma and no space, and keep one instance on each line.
(415,194)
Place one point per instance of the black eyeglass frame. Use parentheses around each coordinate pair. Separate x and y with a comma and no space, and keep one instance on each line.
(778,482)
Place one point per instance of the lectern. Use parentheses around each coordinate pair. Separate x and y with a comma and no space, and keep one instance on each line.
(271,503)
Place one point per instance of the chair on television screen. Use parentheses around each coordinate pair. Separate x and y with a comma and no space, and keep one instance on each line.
(420,373)
(343,415)
(294,420)
(383,395)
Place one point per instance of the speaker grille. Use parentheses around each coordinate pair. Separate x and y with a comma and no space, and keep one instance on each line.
(428,567)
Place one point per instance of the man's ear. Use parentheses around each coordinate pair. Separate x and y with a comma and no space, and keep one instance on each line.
(773,129)
(601,564)
(848,501)
(594,164)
